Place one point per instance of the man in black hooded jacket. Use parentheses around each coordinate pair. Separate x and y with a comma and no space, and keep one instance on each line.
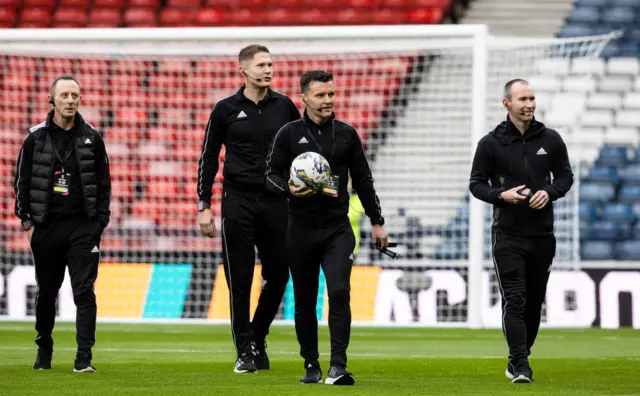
(518,158)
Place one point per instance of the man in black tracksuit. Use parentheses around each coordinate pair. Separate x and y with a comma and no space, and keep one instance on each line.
(319,229)
(518,158)
(63,194)
(251,215)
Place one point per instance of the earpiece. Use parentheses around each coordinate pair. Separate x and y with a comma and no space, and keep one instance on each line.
(51,101)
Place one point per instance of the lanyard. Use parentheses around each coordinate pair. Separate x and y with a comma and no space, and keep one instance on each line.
(333,140)
(67,153)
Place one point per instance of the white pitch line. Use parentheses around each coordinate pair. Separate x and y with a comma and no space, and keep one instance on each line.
(288,353)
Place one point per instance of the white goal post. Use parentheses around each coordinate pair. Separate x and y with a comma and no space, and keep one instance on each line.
(420,96)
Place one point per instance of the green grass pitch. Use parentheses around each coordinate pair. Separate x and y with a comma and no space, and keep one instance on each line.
(195,360)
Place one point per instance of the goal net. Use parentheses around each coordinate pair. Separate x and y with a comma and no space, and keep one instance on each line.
(420,98)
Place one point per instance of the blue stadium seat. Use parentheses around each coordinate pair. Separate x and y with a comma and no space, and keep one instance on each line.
(605,174)
(618,17)
(591,3)
(608,230)
(573,30)
(628,250)
(597,192)
(588,211)
(630,173)
(612,156)
(611,50)
(584,227)
(629,50)
(596,250)
(584,15)
(634,35)
(618,211)
(629,193)
(624,3)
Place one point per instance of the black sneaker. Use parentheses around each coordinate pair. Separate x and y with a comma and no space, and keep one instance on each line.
(43,361)
(522,377)
(245,364)
(339,376)
(509,371)
(260,357)
(83,363)
(313,374)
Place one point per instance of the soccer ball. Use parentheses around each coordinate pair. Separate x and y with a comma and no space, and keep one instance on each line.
(310,169)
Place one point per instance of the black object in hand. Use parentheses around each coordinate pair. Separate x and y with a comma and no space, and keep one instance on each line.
(388,252)
(525,192)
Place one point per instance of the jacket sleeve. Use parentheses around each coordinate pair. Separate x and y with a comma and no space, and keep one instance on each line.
(23,178)
(208,165)
(562,173)
(278,158)
(103,176)
(481,172)
(362,181)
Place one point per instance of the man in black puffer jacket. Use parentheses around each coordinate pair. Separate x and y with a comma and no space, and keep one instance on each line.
(518,157)
(63,194)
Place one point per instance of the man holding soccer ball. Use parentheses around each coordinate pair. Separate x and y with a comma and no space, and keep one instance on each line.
(326,152)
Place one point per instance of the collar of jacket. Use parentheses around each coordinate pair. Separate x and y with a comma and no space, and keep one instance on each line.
(240,95)
(506,132)
(311,124)
(78,122)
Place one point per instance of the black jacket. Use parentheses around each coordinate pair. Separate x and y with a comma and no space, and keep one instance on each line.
(34,172)
(509,159)
(246,129)
(345,154)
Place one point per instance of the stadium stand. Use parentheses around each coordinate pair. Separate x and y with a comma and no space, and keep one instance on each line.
(177,13)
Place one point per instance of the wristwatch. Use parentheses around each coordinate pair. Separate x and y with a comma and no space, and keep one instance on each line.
(203,205)
(26,224)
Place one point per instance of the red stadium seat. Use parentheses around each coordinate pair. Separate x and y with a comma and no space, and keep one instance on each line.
(17,82)
(22,63)
(122,188)
(424,16)
(246,17)
(27,4)
(396,3)
(162,134)
(184,3)
(122,170)
(152,151)
(8,15)
(387,16)
(35,16)
(74,3)
(313,16)
(144,3)
(360,4)
(280,16)
(238,4)
(109,3)
(177,66)
(350,16)
(162,189)
(441,4)
(123,134)
(70,18)
(187,151)
(176,17)
(94,97)
(132,117)
(105,17)
(140,17)
(133,98)
(61,66)
(90,69)
(209,17)
(10,3)
(332,4)
(174,117)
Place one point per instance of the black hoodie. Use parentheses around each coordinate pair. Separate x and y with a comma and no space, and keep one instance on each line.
(508,159)
(340,144)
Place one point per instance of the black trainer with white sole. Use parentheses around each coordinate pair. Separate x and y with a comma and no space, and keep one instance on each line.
(509,372)
(245,364)
(260,357)
(313,374)
(522,377)
(83,363)
(338,375)
(43,360)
